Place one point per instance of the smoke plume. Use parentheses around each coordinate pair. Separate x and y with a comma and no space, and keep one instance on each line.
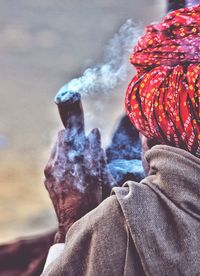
(123,155)
(112,71)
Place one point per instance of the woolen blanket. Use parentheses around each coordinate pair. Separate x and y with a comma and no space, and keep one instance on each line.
(146,228)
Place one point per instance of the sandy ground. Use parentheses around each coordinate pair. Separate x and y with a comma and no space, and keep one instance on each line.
(43,45)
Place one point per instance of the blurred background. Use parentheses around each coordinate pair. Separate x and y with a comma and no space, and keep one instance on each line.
(43,45)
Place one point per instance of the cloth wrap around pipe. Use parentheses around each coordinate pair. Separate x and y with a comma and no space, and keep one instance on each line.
(163,99)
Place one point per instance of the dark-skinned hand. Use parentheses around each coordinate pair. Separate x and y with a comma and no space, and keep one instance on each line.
(76,177)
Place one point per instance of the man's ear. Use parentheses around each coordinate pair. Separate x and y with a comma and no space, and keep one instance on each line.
(146,144)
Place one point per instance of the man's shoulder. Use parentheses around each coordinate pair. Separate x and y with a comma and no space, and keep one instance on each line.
(96,244)
(105,216)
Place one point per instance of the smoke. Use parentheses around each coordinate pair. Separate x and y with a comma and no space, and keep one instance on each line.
(124,153)
(112,71)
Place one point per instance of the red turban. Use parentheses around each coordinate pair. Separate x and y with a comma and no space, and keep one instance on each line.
(163,99)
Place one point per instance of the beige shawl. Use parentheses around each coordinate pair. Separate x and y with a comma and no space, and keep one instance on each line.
(147,228)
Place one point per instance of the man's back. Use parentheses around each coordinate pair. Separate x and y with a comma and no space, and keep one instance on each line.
(147,228)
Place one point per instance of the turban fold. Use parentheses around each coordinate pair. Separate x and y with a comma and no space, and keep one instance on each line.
(163,99)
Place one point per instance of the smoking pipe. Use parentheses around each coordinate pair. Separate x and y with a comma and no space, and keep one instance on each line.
(70,110)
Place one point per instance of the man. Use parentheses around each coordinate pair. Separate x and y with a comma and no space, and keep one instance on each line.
(151,227)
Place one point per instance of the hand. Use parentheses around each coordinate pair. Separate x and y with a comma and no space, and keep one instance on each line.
(76,177)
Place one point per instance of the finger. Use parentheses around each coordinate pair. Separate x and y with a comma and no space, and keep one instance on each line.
(71,142)
(92,152)
(63,145)
(94,139)
(63,137)
(56,155)
(106,175)
(107,180)
(68,156)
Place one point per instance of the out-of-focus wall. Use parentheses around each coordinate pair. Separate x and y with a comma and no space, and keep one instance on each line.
(44,44)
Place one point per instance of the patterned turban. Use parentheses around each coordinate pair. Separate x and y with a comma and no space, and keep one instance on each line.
(163,99)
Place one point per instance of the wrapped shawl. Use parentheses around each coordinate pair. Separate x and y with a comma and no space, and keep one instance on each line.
(148,228)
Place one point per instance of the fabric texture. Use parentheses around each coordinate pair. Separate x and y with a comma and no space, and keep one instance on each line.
(146,228)
(98,244)
(163,99)
(163,213)
(54,252)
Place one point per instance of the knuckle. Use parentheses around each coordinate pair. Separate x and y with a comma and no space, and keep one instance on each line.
(61,134)
(46,184)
